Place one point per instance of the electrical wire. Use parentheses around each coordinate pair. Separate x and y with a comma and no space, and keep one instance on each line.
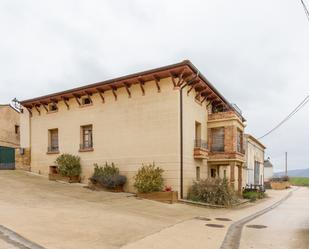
(305,8)
(299,107)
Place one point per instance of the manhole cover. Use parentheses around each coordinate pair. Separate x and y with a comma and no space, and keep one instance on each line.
(223,219)
(256,226)
(214,225)
(202,218)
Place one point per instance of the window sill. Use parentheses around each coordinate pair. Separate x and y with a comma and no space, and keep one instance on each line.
(86,150)
(50,112)
(52,152)
(85,105)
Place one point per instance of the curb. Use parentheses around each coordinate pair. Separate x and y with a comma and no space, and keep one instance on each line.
(233,235)
(17,240)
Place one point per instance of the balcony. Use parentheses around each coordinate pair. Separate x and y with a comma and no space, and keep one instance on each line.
(229,115)
(200,149)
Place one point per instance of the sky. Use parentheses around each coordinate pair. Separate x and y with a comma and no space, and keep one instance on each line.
(256,53)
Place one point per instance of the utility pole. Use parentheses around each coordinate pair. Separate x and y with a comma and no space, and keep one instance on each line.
(286,164)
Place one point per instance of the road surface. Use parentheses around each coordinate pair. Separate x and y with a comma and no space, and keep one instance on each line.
(285,227)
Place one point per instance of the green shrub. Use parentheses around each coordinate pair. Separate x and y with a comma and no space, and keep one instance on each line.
(149,179)
(253,195)
(213,191)
(107,176)
(107,170)
(68,165)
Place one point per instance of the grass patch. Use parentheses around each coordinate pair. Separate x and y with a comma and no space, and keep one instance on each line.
(253,195)
(300,181)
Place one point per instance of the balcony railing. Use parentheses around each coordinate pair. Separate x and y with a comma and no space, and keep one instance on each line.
(52,149)
(200,149)
(199,143)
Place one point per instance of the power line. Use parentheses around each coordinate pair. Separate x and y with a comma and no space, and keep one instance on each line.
(305,8)
(300,106)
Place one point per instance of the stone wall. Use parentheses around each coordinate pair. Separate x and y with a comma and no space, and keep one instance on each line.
(22,162)
(9,118)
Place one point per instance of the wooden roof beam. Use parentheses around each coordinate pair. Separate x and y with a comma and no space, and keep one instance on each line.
(66,101)
(157,80)
(180,78)
(114,89)
(29,110)
(192,86)
(44,105)
(142,83)
(101,93)
(185,79)
(77,98)
(127,86)
(173,79)
(37,109)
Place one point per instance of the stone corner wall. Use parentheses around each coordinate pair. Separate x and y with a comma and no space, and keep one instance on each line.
(22,162)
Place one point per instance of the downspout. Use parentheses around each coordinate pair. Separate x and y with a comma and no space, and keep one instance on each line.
(181,133)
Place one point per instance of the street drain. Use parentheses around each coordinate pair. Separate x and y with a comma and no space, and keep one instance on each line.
(202,218)
(256,226)
(223,219)
(214,225)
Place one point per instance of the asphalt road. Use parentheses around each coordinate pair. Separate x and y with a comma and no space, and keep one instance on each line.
(284,227)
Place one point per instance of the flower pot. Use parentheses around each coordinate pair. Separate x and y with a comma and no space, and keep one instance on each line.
(166,196)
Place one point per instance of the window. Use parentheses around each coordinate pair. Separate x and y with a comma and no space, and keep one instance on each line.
(52,107)
(197,130)
(86,137)
(16,129)
(217,139)
(224,174)
(256,172)
(86,101)
(239,141)
(53,140)
(213,173)
(198,173)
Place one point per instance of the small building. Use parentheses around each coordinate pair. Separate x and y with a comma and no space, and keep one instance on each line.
(268,170)
(9,136)
(172,116)
(254,166)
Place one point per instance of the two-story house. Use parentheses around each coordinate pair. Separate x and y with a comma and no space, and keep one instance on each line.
(254,166)
(9,136)
(171,115)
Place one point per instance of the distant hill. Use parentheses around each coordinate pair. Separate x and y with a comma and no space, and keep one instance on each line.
(295,173)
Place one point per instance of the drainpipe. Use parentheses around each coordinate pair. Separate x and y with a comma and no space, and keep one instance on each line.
(181,133)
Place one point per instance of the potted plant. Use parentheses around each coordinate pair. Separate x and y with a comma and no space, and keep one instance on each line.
(68,169)
(107,178)
(149,183)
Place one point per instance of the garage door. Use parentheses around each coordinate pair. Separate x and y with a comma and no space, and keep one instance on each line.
(7,158)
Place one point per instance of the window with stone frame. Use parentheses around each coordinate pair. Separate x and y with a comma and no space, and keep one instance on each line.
(86,137)
(53,140)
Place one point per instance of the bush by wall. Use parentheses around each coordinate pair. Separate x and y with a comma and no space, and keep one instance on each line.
(253,195)
(149,179)
(68,165)
(108,176)
(213,191)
